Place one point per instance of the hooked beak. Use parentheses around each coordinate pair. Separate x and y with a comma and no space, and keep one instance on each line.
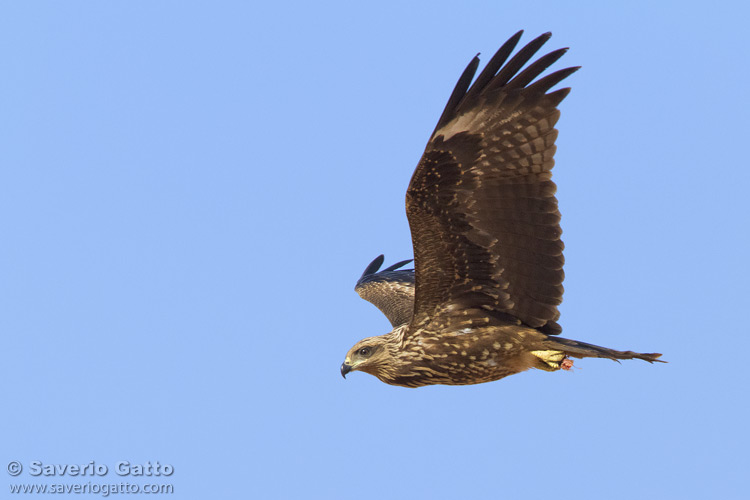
(345,369)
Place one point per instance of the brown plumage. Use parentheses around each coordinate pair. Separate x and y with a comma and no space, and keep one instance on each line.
(485,227)
(391,290)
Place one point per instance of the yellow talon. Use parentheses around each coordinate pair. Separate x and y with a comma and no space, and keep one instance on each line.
(550,358)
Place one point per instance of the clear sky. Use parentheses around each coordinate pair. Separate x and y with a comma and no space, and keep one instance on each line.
(189,191)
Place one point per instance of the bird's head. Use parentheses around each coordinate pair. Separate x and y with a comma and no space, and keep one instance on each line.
(369,355)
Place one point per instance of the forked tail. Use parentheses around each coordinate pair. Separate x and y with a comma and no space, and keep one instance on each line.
(583,350)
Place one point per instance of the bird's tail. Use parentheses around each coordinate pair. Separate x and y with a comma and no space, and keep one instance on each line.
(577,349)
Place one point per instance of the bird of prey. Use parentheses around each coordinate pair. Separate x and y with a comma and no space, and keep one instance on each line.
(481,302)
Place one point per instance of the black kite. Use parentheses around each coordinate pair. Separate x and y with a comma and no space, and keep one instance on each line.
(481,303)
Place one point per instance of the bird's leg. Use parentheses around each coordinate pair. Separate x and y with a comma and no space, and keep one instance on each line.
(553,360)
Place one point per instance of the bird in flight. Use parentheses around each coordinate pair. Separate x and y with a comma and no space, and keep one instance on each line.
(481,301)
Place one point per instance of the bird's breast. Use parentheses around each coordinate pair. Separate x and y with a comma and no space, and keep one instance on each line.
(463,356)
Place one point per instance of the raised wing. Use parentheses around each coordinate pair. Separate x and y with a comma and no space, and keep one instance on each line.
(391,290)
(481,205)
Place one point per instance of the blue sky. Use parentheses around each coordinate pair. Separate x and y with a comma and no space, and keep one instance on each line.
(189,191)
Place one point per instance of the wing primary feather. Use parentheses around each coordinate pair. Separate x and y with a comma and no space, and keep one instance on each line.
(544,84)
(493,65)
(535,69)
(557,96)
(458,92)
(518,60)
(397,265)
(373,266)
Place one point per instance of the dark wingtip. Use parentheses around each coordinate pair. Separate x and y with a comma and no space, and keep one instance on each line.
(458,92)
(513,41)
(373,266)
(397,265)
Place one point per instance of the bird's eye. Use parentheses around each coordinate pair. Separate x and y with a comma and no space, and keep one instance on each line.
(365,351)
